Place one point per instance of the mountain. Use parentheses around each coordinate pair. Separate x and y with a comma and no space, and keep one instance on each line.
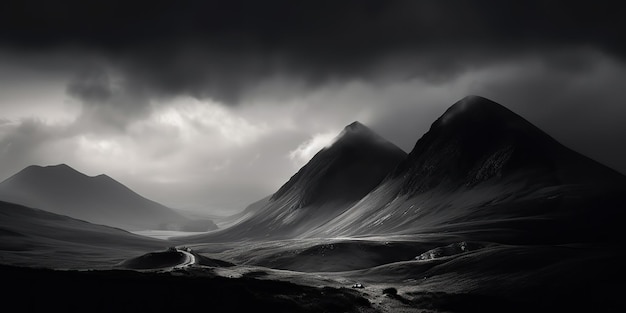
(485,172)
(477,139)
(334,179)
(38,238)
(100,199)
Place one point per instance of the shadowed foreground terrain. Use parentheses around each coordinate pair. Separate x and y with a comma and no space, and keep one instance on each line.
(429,273)
(496,279)
(127,291)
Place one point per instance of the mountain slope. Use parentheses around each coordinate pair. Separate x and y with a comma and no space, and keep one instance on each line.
(483,170)
(100,199)
(336,177)
(35,237)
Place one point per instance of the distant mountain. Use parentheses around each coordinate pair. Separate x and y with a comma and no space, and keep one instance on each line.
(485,170)
(38,238)
(334,179)
(100,199)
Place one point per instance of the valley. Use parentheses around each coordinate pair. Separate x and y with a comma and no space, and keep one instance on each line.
(486,214)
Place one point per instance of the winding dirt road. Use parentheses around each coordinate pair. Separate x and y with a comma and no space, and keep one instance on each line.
(189,260)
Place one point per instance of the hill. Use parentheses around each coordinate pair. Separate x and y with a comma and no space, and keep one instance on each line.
(100,199)
(32,237)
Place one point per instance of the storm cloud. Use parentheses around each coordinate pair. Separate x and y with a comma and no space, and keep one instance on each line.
(222,50)
(213,104)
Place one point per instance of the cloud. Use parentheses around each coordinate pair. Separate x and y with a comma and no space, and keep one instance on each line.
(226,50)
(92,86)
(306,150)
(31,141)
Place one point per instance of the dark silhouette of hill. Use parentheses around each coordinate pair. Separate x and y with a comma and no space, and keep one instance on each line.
(130,291)
(482,168)
(100,199)
(38,238)
(169,258)
(477,140)
(336,177)
(154,260)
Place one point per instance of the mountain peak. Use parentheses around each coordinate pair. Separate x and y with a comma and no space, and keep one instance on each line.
(357,133)
(336,177)
(475,109)
(99,199)
(356,155)
(355,126)
(477,140)
(61,165)
(58,169)
(474,101)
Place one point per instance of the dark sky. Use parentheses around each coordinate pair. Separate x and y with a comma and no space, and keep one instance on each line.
(211,105)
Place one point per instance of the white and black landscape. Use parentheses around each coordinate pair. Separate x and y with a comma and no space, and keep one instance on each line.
(99,199)
(353,156)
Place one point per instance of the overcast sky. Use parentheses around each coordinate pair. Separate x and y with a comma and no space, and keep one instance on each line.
(210,106)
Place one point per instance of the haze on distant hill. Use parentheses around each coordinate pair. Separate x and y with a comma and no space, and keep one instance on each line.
(100,199)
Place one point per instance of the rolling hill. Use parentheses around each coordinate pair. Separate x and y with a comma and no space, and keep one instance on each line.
(32,237)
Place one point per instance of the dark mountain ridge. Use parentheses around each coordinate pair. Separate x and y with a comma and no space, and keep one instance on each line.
(484,170)
(476,140)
